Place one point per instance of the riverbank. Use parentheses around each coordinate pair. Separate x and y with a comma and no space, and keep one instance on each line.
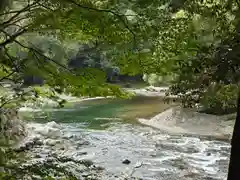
(166,116)
(163,116)
(177,120)
(41,102)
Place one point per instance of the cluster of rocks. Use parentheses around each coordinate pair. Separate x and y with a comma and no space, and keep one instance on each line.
(48,151)
(43,155)
(11,126)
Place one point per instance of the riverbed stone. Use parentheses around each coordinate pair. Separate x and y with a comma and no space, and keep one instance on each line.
(51,142)
(82,143)
(126,161)
(209,154)
(38,156)
(53,124)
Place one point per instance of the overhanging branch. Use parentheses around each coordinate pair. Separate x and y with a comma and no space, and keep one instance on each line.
(119,16)
(41,54)
(26,8)
(12,38)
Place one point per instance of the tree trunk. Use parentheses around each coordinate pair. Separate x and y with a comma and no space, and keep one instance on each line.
(234,164)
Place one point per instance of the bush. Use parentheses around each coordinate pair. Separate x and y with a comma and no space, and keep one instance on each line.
(156,80)
(220,99)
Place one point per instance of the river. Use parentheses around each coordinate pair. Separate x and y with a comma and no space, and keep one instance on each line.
(101,139)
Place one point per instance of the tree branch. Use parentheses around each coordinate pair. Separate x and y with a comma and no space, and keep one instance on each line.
(7,76)
(18,13)
(9,12)
(12,38)
(119,16)
(4,103)
(41,54)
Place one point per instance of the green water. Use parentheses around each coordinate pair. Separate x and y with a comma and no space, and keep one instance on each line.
(97,114)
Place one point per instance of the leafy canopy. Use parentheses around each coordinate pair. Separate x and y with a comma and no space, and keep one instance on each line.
(191,40)
(34,34)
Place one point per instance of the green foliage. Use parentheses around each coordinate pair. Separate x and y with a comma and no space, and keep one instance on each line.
(196,41)
(221,99)
(34,38)
(157,80)
(204,52)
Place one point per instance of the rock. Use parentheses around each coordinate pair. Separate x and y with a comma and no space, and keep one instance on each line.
(37,141)
(85,174)
(51,130)
(54,133)
(19,149)
(96,167)
(53,124)
(127,85)
(138,165)
(42,131)
(81,153)
(24,147)
(29,145)
(126,161)
(208,154)
(38,156)
(51,142)
(50,160)
(82,143)
(86,163)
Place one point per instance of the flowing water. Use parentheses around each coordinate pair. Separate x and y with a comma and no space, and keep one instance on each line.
(106,133)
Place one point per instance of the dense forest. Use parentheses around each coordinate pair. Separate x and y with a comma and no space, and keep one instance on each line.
(83,48)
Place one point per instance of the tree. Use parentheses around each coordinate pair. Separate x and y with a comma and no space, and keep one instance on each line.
(202,52)
(233,170)
(66,20)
